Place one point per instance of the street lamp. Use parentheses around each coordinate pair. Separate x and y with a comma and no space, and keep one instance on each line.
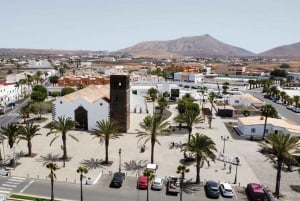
(237,162)
(120,150)
(224,138)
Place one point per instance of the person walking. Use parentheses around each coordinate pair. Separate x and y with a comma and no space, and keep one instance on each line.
(230,169)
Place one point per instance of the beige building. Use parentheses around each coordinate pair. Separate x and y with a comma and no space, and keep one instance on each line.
(231,70)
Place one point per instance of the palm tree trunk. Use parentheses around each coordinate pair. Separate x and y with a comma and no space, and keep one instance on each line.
(29,145)
(64,139)
(190,131)
(278,177)
(152,150)
(52,184)
(81,192)
(148,192)
(198,170)
(265,125)
(106,150)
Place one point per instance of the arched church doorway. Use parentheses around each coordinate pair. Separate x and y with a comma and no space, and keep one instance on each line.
(81,118)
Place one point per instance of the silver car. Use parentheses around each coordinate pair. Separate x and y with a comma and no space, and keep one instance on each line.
(158,183)
(226,190)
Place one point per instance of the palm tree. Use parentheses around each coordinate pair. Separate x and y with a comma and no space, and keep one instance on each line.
(251,83)
(81,171)
(62,125)
(203,90)
(24,112)
(153,95)
(296,100)
(211,98)
(282,146)
(53,167)
(105,131)
(225,87)
(153,126)
(150,175)
(181,169)
(10,132)
(190,117)
(162,103)
(282,95)
(267,111)
(246,112)
(203,148)
(27,133)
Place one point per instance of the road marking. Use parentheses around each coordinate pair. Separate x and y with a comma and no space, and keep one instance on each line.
(8,185)
(19,178)
(4,192)
(4,188)
(16,180)
(25,187)
(12,182)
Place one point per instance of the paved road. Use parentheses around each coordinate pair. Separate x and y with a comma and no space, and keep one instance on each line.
(281,109)
(102,192)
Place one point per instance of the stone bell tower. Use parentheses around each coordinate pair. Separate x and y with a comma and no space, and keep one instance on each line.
(120,100)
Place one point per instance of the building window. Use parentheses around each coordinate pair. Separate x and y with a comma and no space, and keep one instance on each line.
(253,130)
(236,101)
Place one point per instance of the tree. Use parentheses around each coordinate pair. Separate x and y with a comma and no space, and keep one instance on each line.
(251,83)
(246,112)
(67,90)
(53,80)
(190,117)
(62,71)
(203,90)
(296,100)
(203,148)
(211,98)
(162,103)
(62,125)
(150,175)
(10,132)
(26,133)
(153,127)
(40,108)
(39,93)
(267,111)
(284,65)
(225,87)
(52,167)
(281,146)
(278,73)
(152,92)
(181,169)
(81,171)
(105,131)
(24,112)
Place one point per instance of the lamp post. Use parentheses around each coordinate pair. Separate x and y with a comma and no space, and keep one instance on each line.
(224,138)
(237,160)
(120,151)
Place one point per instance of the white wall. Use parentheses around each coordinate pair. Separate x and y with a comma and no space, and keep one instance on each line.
(9,93)
(99,110)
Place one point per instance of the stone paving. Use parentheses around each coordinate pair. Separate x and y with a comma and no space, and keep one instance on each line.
(252,168)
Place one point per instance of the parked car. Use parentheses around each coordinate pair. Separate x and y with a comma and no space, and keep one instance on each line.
(117,180)
(226,190)
(256,192)
(279,101)
(11,104)
(212,189)
(142,182)
(290,107)
(158,183)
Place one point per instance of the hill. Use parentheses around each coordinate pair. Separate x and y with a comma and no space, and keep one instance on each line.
(289,51)
(204,45)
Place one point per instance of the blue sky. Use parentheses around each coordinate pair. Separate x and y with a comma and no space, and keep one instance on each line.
(255,25)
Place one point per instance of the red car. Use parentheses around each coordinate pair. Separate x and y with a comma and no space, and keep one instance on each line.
(142,182)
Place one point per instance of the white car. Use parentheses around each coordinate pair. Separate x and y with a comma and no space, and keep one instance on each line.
(226,190)
(2,197)
(158,183)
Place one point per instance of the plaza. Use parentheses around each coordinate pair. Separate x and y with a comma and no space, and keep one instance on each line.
(253,165)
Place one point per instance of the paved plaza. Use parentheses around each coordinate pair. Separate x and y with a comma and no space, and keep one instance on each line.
(252,168)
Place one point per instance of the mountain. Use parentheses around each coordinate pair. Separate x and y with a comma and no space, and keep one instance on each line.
(204,45)
(290,51)
(27,51)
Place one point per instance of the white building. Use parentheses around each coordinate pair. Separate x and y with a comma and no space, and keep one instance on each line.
(9,93)
(244,100)
(37,64)
(254,126)
(86,106)
(195,78)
